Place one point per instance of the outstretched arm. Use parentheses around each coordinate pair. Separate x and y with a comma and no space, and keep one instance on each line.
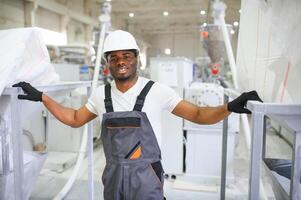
(200,115)
(68,116)
(212,115)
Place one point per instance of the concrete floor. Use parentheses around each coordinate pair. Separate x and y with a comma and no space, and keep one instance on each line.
(49,182)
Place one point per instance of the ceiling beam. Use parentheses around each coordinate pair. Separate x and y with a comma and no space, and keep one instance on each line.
(170,26)
(153,5)
(160,8)
(151,16)
(174,32)
(64,10)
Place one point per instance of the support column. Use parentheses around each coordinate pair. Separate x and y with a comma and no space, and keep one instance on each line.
(296,158)
(88,33)
(16,130)
(64,23)
(256,154)
(30,8)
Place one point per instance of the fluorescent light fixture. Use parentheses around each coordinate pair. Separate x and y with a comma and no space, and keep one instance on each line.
(203,12)
(204,24)
(165,13)
(232,32)
(131,14)
(167,51)
(235,23)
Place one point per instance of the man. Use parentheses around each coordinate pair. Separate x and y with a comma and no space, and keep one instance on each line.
(131,127)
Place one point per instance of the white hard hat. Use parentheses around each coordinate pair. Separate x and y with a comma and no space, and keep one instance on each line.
(119,40)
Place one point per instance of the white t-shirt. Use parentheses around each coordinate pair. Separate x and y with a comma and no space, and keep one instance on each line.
(159,98)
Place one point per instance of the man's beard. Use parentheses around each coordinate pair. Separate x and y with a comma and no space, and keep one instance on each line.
(126,78)
(122,79)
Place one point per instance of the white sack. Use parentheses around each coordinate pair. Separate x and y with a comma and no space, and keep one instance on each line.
(24,57)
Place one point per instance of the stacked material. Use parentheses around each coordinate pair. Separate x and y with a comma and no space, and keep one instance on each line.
(24,57)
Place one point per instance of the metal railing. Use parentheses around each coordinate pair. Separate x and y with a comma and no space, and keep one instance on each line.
(15,133)
(288,116)
(230,93)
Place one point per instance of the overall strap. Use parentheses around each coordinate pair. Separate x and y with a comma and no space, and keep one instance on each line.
(141,97)
(108,100)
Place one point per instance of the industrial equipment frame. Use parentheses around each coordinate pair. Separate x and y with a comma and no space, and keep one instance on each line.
(288,116)
(16,133)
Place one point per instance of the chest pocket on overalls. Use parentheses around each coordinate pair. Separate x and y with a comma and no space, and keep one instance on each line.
(123,122)
(125,138)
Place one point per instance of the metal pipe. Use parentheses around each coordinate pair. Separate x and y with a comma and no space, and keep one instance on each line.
(17,147)
(75,171)
(219,14)
(224,154)
(87,140)
(105,20)
(98,56)
(90,162)
(247,132)
(229,52)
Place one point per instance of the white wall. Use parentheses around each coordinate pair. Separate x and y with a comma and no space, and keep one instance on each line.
(43,17)
(269,49)
(76,32)
(187,45)
(11,14)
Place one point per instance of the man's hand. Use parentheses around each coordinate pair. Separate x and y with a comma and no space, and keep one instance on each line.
(32,93)
(238,104)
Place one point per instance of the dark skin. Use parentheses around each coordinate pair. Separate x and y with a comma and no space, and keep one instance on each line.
(123,67)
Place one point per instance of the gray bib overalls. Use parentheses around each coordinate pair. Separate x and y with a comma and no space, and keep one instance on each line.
(133,169)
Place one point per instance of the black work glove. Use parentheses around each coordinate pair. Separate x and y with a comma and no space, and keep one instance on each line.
(32,93)
(238,104)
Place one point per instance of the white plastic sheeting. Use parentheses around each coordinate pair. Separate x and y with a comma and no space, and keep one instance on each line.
(33,163)
(24,57)
(269,49)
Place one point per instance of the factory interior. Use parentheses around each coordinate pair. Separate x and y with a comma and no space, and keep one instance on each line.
(208,52)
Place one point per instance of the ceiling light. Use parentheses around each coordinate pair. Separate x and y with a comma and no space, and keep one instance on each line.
(108,0)
(204,24)
(165,13)
(167,51)
(202,12)
(239,11)
(131,14)
(232,32)
(235,23)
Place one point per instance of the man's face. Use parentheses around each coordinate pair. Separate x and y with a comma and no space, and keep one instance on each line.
(123,65)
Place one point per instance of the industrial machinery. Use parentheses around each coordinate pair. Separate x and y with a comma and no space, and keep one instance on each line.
(204,142)
(177,73)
